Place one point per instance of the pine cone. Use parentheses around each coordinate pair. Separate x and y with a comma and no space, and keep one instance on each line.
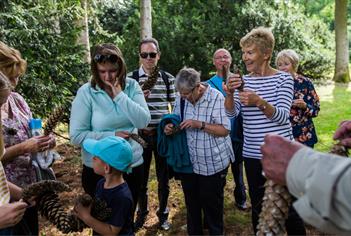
(277,200)
(138,139)
(152,79)
(99,210)
(340,150)
(60,114)
(50,207)
(39,189)
(275,209)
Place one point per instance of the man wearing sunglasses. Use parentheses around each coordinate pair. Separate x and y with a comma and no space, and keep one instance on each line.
(158,98)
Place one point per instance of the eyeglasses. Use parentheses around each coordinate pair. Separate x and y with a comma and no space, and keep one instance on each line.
(144,55)
(222,58)
(98,58)
(186,94)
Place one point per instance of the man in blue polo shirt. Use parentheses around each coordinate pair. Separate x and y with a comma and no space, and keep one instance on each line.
(222,61)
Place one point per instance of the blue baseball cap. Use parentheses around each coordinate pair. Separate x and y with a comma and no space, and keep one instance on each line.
(115,151)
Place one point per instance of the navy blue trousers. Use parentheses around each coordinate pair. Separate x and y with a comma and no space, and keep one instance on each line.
(238,176)
(204,194)
(162,174)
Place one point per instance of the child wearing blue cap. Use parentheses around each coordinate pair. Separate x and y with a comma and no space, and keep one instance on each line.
(112,157)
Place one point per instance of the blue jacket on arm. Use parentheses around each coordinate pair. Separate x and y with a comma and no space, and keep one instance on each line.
(174,147)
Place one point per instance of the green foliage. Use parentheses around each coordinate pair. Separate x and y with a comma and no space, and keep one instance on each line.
(44,32)
(190,31)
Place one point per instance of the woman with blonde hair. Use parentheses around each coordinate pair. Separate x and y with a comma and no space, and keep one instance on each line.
(264,97)
(15,116)
(305,104)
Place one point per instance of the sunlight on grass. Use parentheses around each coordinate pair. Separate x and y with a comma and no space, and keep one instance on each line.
(335,107)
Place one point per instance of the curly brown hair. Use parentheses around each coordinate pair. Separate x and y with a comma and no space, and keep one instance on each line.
(107,49)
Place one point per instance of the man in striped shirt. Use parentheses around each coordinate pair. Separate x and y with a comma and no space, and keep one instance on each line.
(158,98)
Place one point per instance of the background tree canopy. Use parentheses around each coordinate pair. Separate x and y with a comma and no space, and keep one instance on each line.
(189,31)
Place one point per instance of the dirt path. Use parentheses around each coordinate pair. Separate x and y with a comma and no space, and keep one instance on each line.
(68,170)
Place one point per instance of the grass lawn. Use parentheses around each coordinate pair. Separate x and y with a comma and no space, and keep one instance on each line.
(335,107)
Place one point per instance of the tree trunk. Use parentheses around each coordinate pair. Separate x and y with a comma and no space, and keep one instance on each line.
(342,45)
(84,35)
(145,19)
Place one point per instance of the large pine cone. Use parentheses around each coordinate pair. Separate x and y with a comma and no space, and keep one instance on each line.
(152,79)
(41,188)
(60,114)
(48,202)
(275,209)
(99,210)
(277,200)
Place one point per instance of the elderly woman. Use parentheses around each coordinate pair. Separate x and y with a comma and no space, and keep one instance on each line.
(210,150)
(15,116)
(110,104)
(305,104)
(265,103)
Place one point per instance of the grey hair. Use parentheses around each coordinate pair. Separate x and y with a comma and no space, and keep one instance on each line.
(291,55)
(187,79)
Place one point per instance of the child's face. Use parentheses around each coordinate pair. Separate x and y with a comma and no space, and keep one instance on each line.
(4,94)
(98,166)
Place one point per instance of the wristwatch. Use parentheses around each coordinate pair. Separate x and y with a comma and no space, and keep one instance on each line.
(203,124)
(262,106)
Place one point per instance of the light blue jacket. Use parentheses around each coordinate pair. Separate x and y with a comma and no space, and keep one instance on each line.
(95,115)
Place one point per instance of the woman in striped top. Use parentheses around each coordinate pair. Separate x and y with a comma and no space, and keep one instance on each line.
(264,97)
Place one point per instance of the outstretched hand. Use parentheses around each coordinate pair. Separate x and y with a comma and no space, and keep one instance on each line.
(277,152)
(39,143)
(343,133)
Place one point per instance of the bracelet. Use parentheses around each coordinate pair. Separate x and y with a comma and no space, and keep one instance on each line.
(203,124)
(262,106)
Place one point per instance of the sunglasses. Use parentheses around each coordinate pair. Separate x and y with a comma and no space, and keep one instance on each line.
(105,58)
(144,55)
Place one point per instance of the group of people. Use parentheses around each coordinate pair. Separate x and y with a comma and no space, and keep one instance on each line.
(223,121)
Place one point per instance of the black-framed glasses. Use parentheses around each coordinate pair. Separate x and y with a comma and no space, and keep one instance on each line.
(144,55)
(98,58)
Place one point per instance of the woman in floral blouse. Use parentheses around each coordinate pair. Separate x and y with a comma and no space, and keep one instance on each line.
(15,115)
(305,105)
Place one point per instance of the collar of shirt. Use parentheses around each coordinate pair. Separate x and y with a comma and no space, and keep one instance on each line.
(206,96)
(143,74)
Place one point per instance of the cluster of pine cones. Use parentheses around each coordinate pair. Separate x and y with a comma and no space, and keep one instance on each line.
(49,205)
